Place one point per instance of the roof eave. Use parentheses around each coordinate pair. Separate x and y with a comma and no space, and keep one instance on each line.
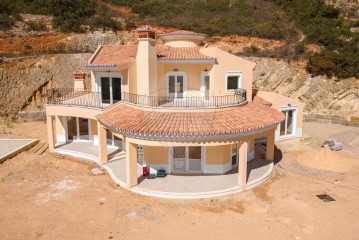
(186,61)
(102,67)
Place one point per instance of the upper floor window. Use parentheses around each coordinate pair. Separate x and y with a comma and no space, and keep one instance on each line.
(233,81)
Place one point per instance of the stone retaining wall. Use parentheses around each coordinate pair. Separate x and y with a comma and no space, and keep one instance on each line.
(32,116)
(333,119)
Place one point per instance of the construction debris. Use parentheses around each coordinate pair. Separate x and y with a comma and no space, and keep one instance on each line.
(97,171)
(333,145)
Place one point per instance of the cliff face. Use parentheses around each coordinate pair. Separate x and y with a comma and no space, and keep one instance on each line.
(23,81)
(321,95)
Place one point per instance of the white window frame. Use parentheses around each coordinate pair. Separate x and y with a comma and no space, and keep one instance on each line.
(234,74)
(231,155)
(295,112)
(78,138)
(203,75)
(110,76)
(176,73)
(187,159)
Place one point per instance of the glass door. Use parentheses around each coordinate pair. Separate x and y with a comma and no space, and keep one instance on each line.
(187,159)
(105,90)
(116,89)
(205,88)
(179,159)
(71,128)
(194,159)
(110,89)
(176,86)
(287,126)
(234,151)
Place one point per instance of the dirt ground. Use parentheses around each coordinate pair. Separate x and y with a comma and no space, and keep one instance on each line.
(56,197)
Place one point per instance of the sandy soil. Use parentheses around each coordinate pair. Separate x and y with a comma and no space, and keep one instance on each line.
(18,44)
(55,197)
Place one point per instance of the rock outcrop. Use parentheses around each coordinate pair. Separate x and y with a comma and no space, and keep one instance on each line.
(321,95)
(23,81)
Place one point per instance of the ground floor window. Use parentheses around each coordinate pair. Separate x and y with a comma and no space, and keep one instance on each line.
(234,155)
(113,140)
(187,159)
(287,126)
(77,129)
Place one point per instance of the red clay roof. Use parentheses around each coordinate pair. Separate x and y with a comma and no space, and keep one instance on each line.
(257,99)
(122,54)
(183,53)
(127,119)
(115,54)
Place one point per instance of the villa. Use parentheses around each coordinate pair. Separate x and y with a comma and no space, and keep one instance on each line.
(173,105)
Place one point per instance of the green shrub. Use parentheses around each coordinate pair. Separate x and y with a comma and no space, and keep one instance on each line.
(36,26)
(5,21)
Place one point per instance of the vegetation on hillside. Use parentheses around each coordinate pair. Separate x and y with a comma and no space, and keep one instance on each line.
(69,15)
(276,19)
(323,25)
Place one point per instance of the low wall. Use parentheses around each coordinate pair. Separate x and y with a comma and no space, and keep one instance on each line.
(32,116)
(333,119)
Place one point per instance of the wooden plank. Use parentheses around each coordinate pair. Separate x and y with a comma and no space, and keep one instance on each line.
(36,148)
(42,149)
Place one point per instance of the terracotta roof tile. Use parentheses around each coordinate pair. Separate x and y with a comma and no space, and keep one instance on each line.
(127,119)
(257,99)
(122,54)
(115,54)
(181,53)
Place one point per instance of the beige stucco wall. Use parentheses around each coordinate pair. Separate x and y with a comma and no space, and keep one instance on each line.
(279,101)
(125,74)
(82,112)
(146,62)
(181,43)
(93,126)
(193,77)
(227,62)
(218,154)
(155,155)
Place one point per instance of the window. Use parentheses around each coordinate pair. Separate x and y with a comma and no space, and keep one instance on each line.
(234,81)
(176,84)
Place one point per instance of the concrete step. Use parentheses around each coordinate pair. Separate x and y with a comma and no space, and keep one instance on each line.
(119,155)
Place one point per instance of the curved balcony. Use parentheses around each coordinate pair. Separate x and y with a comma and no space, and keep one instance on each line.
(85,98)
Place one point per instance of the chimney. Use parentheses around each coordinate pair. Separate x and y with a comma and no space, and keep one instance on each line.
(79,80)
(146,61)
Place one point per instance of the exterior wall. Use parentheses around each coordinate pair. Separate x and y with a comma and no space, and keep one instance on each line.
(181,43)
(124,74)
(217,160)
(156,158)
(193,77)
(227,62)
(146,62)
(218,154)
(278,102)
(81,112)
